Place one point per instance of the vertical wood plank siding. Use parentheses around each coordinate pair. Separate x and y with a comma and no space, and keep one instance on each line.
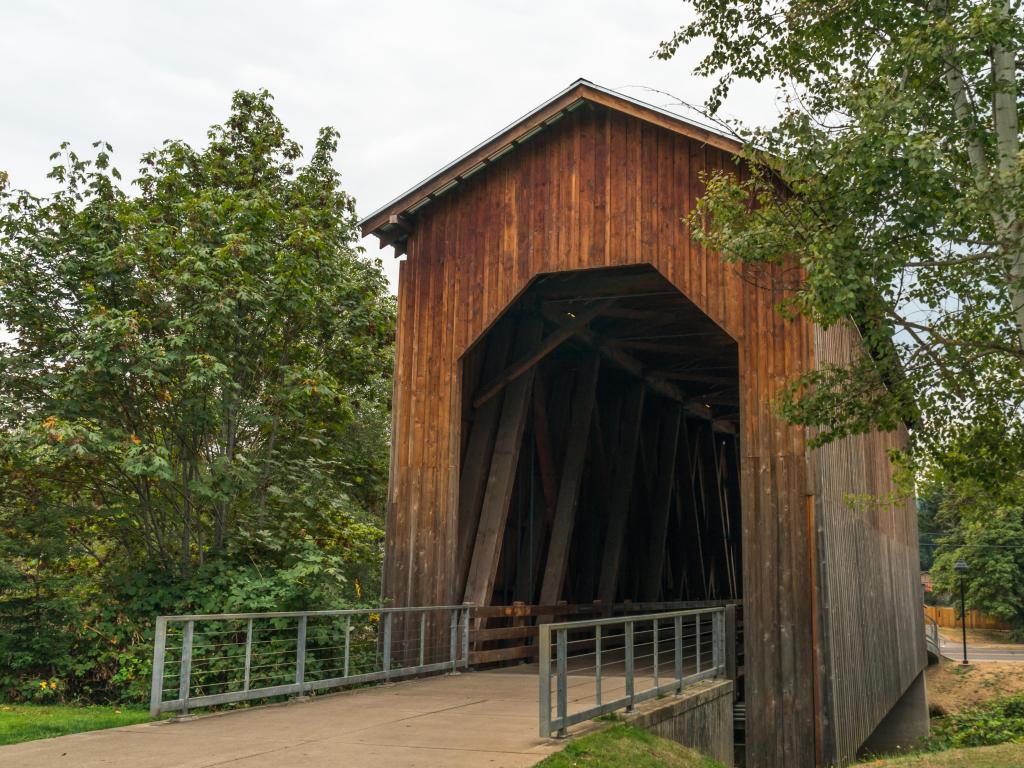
(597,189)
(868,564)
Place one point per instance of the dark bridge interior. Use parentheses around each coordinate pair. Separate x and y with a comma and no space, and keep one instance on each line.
(600,452)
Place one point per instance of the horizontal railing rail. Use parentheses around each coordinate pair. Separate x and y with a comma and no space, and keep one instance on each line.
(591,668)
(205,660)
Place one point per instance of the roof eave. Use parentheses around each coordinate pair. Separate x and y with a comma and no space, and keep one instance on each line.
(390,222)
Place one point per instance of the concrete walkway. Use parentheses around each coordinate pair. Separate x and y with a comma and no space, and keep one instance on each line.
(473,719)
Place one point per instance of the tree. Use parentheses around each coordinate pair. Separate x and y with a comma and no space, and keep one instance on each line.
(893,178)
(199,377)
(928,527)
(986,530)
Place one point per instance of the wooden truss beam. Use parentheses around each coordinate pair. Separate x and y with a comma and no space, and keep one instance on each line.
(666,347)
(582,407)
(643,315)
(664,480)
(501,477)
(698,377)
(547,346)
(477,461)
(545,449)
(621,491)
(619,358)
(693,406)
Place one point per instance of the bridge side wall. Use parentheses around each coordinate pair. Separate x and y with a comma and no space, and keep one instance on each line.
(700,719)
(871,618)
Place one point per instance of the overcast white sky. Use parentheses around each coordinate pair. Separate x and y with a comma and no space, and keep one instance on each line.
(410,85)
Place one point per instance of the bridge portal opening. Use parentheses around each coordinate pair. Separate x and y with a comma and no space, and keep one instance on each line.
(600,448)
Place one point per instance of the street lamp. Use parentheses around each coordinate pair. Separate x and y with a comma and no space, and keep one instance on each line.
(961,568)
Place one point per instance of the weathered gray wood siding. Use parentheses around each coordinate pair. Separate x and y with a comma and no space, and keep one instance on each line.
(871,618)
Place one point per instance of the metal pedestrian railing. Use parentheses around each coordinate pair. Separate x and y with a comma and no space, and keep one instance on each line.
(931,637)
(590,668)
(206,660)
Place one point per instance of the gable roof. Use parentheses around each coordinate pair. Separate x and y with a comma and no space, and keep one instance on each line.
(391,223)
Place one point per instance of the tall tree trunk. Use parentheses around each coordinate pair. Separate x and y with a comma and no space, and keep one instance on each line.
(1005,125)
(1007,130)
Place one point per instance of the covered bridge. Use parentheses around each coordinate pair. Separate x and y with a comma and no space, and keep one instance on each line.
(583,418)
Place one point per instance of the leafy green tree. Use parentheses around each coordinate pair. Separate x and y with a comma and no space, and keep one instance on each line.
(197,389)
(893,180)
(986,530)
(927,527)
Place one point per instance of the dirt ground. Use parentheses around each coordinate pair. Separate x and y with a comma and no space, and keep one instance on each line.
(952,687)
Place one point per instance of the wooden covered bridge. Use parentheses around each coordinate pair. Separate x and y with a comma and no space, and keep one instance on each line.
(583,424)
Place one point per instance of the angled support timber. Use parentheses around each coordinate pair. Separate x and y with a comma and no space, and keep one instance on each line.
(621,492)
(629,364)
(572,474)
(545,451)
(501,476)
(473,476)
(527,361)
(668,442)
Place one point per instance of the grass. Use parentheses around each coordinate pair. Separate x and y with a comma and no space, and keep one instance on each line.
(623,746)
(1002,756)
(981,638)
(26,722)
(953,688)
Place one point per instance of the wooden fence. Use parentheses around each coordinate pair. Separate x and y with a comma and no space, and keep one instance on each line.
(946,616)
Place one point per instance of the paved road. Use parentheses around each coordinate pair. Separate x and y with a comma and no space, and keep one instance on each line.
(955,652)
(476,719)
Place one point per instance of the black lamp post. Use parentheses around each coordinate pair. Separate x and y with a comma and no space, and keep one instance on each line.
(961,568)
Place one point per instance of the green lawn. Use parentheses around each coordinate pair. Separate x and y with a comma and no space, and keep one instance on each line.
(622,746)
(25,722)
(1002,756)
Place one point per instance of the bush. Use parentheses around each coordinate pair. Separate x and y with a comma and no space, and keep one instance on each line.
(996,722)
(76,635)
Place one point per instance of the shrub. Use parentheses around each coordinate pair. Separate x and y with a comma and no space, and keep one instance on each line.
(996,722)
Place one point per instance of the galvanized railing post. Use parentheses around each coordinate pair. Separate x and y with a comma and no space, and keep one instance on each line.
(387,646)
(544,675)
(629,666)
(730,641)
(248,655)
(655,653)
(716,641)
(679,654)
(597,664)
(696,640)
(185,673)
(423,636)
(465,638)
(300,654)
(563,680)
(156,691)
(454,639)
(348,636)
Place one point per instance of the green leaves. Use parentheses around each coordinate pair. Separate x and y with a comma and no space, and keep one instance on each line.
(985,528)
(996,722)
(878,199)
(200,370)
